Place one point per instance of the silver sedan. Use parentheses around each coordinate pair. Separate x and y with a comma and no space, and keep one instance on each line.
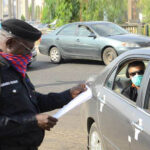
(95,40)
(112,120)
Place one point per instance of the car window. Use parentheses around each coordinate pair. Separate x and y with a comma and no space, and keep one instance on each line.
(121,84)
(108,29)
(110,80)
(84,31)
(68,31)
(121,81)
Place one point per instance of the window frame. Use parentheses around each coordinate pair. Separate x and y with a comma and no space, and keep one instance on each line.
(128,59)
(108,77)
(146,100)
(88,28)
(75,34)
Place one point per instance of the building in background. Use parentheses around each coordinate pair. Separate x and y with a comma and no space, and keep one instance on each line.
(21,9)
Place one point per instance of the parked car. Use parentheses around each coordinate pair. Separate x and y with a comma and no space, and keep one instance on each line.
(44,28)
(113,121)
(96,40)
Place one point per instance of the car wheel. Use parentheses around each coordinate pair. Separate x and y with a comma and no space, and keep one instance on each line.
(109,55)
(55,55)
(95,142)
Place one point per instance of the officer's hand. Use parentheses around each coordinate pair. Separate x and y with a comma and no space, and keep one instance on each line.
(75,91)
(45,121)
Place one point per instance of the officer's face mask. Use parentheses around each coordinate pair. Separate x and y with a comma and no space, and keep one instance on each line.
(137,79)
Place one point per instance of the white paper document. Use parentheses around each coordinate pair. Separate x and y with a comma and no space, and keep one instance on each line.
(81,98)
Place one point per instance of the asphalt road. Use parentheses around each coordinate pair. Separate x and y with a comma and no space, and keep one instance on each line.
(68,134)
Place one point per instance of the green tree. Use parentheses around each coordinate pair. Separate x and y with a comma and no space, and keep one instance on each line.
(116,10)
(67,11)
(37,12)
(144,6)
(49,11)
(23,17)
(91,10)
(64,11)
(113,10)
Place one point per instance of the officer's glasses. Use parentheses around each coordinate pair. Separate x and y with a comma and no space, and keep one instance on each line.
(26,48)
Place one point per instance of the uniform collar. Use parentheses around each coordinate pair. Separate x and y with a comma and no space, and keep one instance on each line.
(4,62)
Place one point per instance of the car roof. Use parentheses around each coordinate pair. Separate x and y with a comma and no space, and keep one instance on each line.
(140,51)
(90,22)
(86,23)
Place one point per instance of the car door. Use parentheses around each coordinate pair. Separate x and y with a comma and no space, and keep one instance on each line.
(86,46)
(113,117)
(116,112)
(140,117)
(65,39)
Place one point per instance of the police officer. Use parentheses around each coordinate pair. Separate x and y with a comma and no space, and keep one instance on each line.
(22,123)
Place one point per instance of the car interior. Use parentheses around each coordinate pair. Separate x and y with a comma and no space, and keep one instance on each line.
(121,81)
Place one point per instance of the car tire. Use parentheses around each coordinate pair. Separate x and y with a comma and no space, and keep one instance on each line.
(94,141)
(109,54)
(55,55)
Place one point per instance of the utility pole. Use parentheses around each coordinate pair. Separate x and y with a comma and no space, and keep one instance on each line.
(32,15)
(17,9)
(9,8)
(27,10)
(1,10)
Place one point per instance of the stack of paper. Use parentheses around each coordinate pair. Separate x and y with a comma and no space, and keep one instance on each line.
(81,98)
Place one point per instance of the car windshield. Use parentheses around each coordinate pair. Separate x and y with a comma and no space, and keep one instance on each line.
(108,29)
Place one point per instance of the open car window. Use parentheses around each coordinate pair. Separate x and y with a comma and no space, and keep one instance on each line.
(123,84)
(110,80)
(121,81)
(118,81)
(84,31)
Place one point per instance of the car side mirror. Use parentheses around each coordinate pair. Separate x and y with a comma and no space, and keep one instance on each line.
(92,35)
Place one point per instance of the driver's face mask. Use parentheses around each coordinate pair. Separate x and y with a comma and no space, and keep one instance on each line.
(137,79)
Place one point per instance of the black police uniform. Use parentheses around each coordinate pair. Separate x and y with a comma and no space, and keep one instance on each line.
(19,103)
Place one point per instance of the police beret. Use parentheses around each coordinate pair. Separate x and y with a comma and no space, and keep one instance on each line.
(21,29)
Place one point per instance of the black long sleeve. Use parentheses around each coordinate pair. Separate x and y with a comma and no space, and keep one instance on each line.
(16,125)
(53,101)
